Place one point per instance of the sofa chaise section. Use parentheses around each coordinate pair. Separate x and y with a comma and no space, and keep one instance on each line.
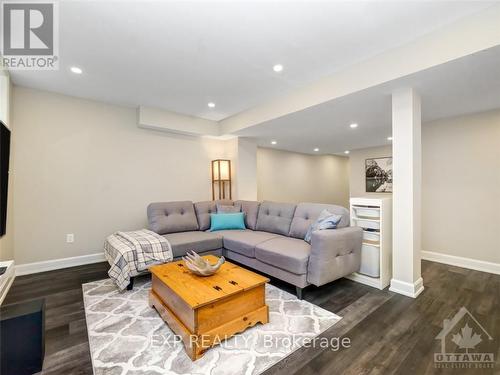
(200,242)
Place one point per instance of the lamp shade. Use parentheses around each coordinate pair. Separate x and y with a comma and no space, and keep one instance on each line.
(221,179)
(221,170)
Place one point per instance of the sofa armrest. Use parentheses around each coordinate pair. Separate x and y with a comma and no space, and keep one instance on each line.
(334,253)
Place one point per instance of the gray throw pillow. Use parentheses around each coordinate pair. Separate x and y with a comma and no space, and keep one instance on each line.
(225,209)
(326,220)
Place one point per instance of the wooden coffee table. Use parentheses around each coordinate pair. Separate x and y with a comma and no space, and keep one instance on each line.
(204,311)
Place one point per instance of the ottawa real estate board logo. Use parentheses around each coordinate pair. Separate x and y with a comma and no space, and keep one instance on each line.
(30,35)
(465,344)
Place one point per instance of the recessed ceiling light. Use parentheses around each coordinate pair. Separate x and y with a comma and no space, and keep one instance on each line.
(273,142)
(346,152)
(278,68)
(211,105)
(76,70)
(316,149)
(389,138)
(353,126)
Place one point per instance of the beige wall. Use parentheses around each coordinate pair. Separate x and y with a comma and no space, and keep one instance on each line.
(357,170)
(292,177)
(85,167)
(246,169)
(460,185)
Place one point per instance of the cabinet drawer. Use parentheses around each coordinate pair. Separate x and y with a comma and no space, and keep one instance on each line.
(367,212)
(373,237)
(370,224)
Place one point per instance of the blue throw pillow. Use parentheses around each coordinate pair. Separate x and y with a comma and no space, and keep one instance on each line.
(326,220)
(227,221)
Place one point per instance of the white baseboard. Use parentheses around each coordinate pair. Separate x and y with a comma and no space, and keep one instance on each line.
(407,289)
(55,264)
(452,260)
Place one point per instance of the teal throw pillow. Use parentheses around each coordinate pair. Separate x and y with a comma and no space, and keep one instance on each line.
(227,221)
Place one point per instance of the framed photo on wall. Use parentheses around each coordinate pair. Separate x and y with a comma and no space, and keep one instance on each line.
(378,175)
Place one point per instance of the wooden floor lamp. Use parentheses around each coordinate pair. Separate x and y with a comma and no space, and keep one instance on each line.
(221,179)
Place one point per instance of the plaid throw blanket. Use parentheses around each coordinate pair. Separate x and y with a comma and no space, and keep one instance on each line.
(130,253)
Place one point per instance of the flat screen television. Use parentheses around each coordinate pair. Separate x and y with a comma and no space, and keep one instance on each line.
(4,175)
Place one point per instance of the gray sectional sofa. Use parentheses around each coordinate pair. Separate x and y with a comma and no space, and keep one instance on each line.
(273,242)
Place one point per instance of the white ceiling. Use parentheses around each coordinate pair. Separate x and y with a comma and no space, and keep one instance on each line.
(467,85)
(181,55)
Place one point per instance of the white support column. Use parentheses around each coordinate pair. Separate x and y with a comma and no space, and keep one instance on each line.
(407,180)
(246,169)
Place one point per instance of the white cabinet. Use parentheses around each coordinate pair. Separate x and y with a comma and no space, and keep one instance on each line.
(4,97)
(374,215)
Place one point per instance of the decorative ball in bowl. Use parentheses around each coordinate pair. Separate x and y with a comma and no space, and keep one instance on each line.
(200,266)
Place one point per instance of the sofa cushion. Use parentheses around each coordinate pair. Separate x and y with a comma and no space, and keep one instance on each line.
(205,208)
(196,241)
(307,213)
(251,210)
(227,209)
(289,254)
(244,241)
(275,217)
(171,217)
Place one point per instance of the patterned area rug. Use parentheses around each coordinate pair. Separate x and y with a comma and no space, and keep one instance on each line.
(127,337)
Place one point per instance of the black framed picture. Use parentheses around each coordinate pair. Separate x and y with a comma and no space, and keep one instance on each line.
(378,174)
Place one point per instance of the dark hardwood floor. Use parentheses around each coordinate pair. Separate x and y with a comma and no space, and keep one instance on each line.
(389,333)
